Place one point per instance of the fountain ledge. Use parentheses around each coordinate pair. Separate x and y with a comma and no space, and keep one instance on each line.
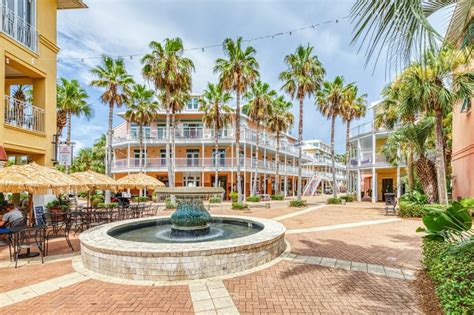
(107,255)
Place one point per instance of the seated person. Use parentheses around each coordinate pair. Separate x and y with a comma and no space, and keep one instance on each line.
(12,215)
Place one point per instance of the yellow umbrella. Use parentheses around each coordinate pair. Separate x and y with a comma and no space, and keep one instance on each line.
(95,180)
(139,181)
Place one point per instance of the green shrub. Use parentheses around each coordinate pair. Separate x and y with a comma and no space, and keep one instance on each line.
(239,206)
(234,196)
(334,201)
(298,203)
(411,210)
(253,199)
(107,205)
(215,200)
(140,199)
(452,274)
(414,197)
(96,201)
(278,197)
(348,198)
(169,204)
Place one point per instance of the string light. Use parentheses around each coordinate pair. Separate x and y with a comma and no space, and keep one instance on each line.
(270,36)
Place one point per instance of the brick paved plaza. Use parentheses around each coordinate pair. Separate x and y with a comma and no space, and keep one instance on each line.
(341,259)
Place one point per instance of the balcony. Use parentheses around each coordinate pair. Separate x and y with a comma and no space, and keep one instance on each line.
(23,115)
(365,128)
(17,28)
(206,164)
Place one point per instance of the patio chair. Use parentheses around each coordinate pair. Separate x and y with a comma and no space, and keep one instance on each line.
(391,206)
(14,225)
(61,224)
(29,238)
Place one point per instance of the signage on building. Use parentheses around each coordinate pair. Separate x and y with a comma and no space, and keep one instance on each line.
(65,154)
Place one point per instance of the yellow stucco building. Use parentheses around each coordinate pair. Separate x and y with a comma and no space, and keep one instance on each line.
(28,50)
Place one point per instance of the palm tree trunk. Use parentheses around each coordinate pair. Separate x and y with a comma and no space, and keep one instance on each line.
(237,145)
(109,140)
(68,137)
(216,150)
(410,169)
(168,149)
(334,184)
(426,171)
(254,187)
(173,133)
(277,174)
(140,131)
(348,129)
(300,145)
(440,163)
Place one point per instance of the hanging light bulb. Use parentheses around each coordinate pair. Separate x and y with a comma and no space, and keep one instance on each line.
(202,49)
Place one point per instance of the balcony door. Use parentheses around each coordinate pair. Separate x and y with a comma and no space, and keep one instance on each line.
(192,180)
(192,131)
(192,157)
(137,157)
(218,158)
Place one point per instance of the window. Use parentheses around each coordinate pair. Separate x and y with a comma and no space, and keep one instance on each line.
(218,158)
(161,131)
(192,130)
(193,104)
(136,157)
(192,157)
(191,180)
(163,157)
(134,131)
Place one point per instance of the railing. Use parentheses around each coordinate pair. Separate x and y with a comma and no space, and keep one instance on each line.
(361,129)
(23,115)
(18,28)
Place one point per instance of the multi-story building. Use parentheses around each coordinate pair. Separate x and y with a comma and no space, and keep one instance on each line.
(28,50)
(321,165)
(195,158)
(371,174)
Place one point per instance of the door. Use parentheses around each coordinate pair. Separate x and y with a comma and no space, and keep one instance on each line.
(387,186)
(192,157)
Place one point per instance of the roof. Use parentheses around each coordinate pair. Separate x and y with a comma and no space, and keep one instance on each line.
(71,4)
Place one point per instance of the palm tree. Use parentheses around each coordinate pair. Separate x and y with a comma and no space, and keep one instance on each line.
(403,27)
(416,135)
(142,109)
(217,114)
(236,73)
(354,107)
(280,120)
(259,107)
(114,79)
(170,73)
(303,77)
(436,90)
(330,102)
(72,99)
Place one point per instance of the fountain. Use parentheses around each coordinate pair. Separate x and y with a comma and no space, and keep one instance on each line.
(189,244)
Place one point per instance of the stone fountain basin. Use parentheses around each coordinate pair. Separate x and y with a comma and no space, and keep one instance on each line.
(104,254)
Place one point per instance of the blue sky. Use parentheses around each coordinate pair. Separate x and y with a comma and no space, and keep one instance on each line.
(124,27)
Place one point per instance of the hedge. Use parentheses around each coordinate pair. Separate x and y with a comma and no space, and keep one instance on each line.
(348,198)
(169,204)
(334,201)
(108,205)
(411,210)
(239,206)
(215,200)
(234,196)
(278,197)
(253,199)
(298,203)
(452,274)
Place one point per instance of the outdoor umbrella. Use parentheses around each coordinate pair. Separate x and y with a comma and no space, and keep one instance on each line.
(139,181)
(36,179)
(94,181)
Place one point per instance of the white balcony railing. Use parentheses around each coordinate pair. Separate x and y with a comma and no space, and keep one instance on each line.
(17,28)
(23,115)
(206,164)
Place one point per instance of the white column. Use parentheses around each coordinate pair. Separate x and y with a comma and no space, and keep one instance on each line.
(286,178)
(202,165)
(293,184)
(374,185)
(145,159)
(399,184)
(232,167)
(359,152)
(245,168)
(128,157)
(266,166)
(358,183)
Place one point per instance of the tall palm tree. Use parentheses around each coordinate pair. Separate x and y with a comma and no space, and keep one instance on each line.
(303,77)
(330,102)
(280,120)
(403,27)
(354,107)
(217,114)
(72,100)
(416,135)
(436,90)
(142,110)
(114,79)
(170,73)
(236,72)
(259,108)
